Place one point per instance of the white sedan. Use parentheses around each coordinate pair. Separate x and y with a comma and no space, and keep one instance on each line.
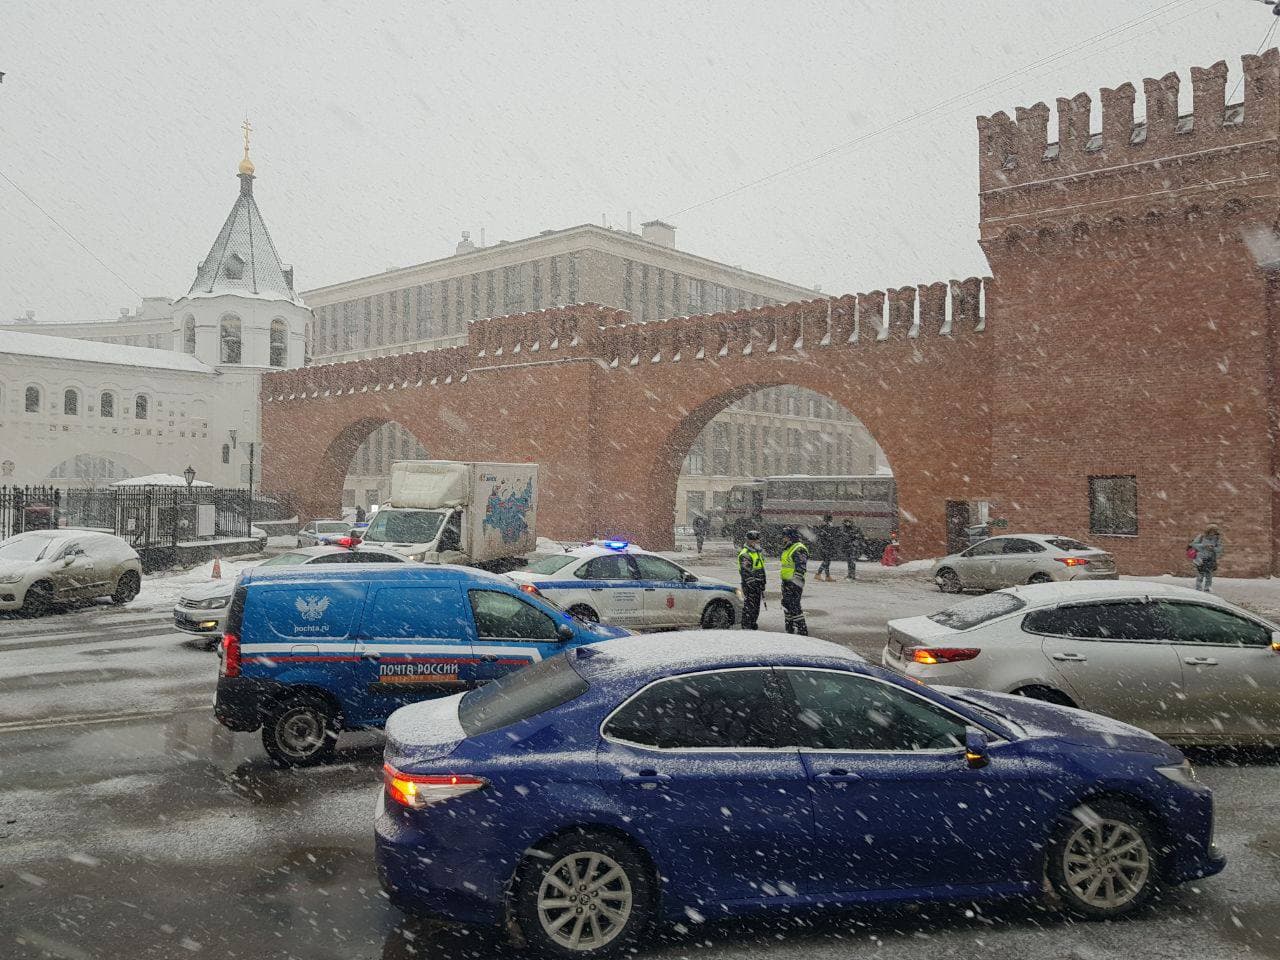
(1188,666)
(1007,561)
(618,583)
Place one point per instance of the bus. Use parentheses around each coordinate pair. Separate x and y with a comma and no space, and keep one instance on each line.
(801,501)
(743,510)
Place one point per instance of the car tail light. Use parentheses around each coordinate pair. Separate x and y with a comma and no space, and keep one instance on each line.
(417,790)
(943,654)
(230,655)
(530,589)
(1072,561)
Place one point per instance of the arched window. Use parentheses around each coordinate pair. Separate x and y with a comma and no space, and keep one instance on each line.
(279,342)
(140,405)
(229,340)
(71,402)
(226,453)
(189,335)
(32,400)
(107,404)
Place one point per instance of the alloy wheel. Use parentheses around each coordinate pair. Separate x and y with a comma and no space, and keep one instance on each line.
(584,901)
(1106,864)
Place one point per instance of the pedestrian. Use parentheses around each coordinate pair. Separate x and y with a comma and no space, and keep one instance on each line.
(700,528)
(795,560)
(1205,551)
(826,548)
(854,544)
(360,514)
(751,569)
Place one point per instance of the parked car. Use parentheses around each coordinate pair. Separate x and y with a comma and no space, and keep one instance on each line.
(1188,666)
(310,651)
(617,582)
(42,568)
(202,607)
(323,531)
(1007,561)
(727,773)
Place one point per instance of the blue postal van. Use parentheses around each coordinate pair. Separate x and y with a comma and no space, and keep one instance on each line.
(311,651)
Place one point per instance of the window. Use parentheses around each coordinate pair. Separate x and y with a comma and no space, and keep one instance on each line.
(1113,505)
(605,568)
(1068,546)
(725,710)
(978,610)
(475,296)
(425,313)
(140,406)
(520,695)
(279,343)
(375,329)
(229,341)
(627,266)
(226,453)
(987,548)
(71,402)
(512,288)
(845,711)
(550,563)
(555,281)
(1116,620)
(189,335)
(413,611)
(656,568)
(537,285)
(504,616)
(1199,623)
(1018,545)
(107,404)
(573,278)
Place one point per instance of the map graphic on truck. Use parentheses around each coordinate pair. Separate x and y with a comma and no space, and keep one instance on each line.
(507,511)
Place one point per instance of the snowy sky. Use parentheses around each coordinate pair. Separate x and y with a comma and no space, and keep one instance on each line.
(384,129)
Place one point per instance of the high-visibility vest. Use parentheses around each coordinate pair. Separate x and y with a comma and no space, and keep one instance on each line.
(789,559)
(757,558)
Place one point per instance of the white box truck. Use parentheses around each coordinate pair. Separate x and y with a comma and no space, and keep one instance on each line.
(443,511)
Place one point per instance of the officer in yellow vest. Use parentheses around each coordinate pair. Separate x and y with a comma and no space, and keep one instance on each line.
(795,560)
(751,569)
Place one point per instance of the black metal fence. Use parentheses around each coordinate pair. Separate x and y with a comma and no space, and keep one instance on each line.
(147,517)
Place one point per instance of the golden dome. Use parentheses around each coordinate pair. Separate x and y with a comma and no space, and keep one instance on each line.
(246,165)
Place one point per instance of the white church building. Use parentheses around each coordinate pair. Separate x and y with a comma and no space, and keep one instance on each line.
(77,409)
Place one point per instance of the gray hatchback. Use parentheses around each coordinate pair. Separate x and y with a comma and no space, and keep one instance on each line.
(1008,561)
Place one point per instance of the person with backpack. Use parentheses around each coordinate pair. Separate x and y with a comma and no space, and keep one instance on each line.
(1204,552)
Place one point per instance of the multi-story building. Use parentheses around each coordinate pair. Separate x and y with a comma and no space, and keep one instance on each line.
(429,305)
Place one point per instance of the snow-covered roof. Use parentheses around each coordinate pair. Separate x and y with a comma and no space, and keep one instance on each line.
(243,260)
(159,480)
(69,348)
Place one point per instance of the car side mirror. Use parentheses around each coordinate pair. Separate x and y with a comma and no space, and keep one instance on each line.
(689,577)
(975,749)
(1275,641)
(565,632)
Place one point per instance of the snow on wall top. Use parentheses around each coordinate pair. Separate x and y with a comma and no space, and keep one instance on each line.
(243,260)
(90,351)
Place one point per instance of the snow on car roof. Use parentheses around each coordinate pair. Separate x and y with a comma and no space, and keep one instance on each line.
(599,550)
(661,654)
(1047,594)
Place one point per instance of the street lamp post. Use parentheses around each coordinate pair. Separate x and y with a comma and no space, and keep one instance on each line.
(189,475)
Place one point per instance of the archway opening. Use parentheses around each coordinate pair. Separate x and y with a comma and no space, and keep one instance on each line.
(368,478)
(782,456)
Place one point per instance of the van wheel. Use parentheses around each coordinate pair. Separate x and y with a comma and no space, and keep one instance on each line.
(717,616)
(127,588)
(583,612)
(948,582)
(584,894)
(38,600)
(1102,861)
(301,732)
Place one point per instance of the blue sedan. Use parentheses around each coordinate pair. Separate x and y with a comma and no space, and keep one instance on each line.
(584,797)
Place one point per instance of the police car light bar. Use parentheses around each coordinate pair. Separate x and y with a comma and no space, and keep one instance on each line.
(349,542)
(617,544)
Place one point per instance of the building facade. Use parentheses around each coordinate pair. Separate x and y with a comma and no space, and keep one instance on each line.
(431,305)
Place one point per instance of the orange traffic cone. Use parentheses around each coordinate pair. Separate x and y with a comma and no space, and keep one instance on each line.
(217,568)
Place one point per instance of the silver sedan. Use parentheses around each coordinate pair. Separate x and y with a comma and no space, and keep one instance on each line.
(1007,561)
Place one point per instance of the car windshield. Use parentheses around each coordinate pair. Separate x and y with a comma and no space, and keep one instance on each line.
(978,610)
(28,548)
(333,526)
(284,559)
(404,526)
(1070,546)
(517,696)
(550,563)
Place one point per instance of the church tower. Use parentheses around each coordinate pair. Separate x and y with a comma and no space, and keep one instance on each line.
(242,310)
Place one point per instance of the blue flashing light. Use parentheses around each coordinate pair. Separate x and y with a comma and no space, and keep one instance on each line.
(617,544)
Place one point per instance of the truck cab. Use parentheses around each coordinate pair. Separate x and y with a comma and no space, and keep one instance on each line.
(428,535)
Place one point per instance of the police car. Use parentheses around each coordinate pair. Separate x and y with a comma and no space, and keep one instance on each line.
(617,582)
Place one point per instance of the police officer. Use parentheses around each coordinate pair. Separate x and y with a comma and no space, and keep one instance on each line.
(751,568)
(795,559)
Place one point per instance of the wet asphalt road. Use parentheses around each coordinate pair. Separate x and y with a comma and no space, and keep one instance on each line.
(145,830)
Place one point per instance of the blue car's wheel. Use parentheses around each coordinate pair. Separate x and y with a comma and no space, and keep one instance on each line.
(585,894)
(1103,861)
